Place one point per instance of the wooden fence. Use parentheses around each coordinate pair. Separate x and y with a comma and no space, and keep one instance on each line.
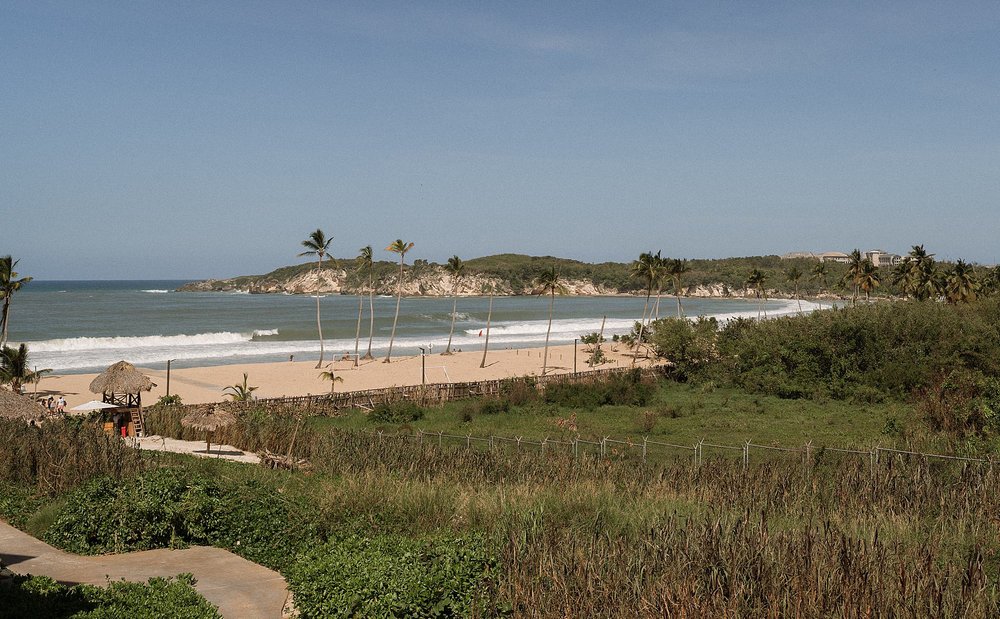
(431,393)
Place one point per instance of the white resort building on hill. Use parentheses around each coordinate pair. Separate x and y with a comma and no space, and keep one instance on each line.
(880,258)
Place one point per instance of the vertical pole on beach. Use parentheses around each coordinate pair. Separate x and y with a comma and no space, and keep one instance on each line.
(168,377)
(423,376)
(575,340)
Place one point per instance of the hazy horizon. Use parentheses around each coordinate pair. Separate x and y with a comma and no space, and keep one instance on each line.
(161,140)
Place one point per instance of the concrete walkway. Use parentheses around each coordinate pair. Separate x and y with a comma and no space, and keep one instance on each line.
(193,448)
(238,587)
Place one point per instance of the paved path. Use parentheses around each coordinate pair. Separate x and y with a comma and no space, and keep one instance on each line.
(194,448)
(240,588)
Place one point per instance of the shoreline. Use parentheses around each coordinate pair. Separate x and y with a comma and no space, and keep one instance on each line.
(204,384)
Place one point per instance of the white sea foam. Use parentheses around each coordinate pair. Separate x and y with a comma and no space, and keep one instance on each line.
(85,353)
(147,341)
(156,291)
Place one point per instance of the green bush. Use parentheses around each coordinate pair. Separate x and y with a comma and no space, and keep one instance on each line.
(864,354)
(40,597)
(689,346)
(394,577)
(170,508)
(618,390)
(396,412)
(519,391)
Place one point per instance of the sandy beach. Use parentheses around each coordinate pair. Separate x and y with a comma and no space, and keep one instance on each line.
(290,378)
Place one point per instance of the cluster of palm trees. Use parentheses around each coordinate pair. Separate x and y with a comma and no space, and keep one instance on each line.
(655,271)
(548,282)
(920,277)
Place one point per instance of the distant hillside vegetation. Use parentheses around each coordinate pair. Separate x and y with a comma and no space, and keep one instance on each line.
(513,274)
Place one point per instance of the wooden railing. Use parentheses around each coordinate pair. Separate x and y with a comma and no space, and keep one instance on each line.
(431,393)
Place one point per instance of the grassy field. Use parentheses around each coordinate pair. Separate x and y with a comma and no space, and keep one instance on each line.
(678,413)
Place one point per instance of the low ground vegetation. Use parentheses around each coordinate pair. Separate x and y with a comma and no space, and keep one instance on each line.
(43,598)
(507,531)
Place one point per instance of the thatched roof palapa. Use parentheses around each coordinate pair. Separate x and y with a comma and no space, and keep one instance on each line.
(121,377)
(15,406)
(209,419)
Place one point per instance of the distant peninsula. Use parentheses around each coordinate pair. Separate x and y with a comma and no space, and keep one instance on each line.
(511,275)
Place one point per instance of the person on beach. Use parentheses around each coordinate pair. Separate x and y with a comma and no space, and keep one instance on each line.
(50,404)
(61,405)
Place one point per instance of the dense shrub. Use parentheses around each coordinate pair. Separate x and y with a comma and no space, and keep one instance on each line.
(169,508)
(688,345)
(396,412)
(865,354)
(394,577)
(17,503)
(40,597)
(519,391)
(618,390)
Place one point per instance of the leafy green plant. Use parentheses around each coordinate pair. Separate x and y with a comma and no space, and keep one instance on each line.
(396,412)
(391,576)
(43,598)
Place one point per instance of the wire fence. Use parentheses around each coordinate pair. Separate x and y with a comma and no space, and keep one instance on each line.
(647,449)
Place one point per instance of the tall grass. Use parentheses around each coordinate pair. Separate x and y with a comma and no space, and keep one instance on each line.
(60,455)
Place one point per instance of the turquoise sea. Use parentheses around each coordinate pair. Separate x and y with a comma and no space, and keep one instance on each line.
(80,326)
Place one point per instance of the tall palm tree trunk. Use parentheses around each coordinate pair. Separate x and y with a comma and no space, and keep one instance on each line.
(319,323)
(677,295)
(399,296)
(798,298)
(357,332)
(656,311)
(545,355)
(371,315)
(489,319)
(454,308)
(4,319)
(642,327)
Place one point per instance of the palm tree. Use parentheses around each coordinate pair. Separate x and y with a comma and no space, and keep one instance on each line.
(676,269)
(756,281)
(240,392)
(961,283)
(456,268)
(364,261)
(794,274)
(397,247)
(644,269)
(821,274)
(489,319)
(359,269)
(550,283)
(918,276)
(9,284)
(853,274)
(647,270)
(331,376)
(14,368)
(317,245)
(868,279)
(660,273)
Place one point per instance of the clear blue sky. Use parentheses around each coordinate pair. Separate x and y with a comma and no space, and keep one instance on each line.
(145,139)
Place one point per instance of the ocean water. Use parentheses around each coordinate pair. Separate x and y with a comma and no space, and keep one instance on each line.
(82,326)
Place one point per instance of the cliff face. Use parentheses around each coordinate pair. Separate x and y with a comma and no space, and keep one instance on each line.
(430,281)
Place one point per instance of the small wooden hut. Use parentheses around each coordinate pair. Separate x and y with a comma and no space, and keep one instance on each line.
(16,406)
(122,385)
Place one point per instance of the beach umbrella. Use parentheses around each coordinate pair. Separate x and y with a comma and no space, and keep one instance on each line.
(16,406)
(93,405)
(209,420)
